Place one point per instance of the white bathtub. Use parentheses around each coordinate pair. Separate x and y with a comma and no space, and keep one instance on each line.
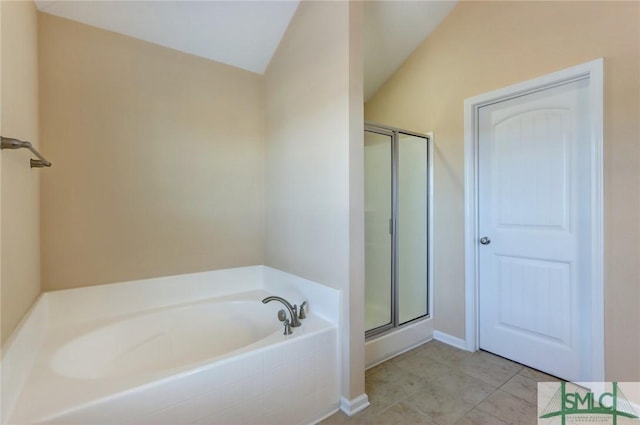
(192,349)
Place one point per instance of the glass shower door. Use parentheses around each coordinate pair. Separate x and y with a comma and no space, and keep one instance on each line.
(378,253)
(396,228)
(412,227)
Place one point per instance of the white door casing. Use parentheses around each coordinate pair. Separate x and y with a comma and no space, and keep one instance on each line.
(539,200)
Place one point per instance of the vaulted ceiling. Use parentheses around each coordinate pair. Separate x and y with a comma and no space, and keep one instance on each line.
(246,34)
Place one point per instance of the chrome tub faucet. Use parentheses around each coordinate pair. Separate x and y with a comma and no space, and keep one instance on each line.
(293,310)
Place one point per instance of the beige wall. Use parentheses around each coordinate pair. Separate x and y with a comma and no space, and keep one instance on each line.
(354,326)
(158,159)
(19,187)
(483,46)
(310,109)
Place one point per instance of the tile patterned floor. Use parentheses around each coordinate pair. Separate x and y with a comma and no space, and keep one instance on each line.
(436,384)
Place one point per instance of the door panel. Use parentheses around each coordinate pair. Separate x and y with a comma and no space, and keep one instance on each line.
(534,197)
(531,166)
(412,227)
(535,290)
(377,200)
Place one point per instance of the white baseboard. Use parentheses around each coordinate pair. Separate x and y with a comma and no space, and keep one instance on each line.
(450,340)
(355,405)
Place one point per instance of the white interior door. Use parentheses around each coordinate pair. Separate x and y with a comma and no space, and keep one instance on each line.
(534,176)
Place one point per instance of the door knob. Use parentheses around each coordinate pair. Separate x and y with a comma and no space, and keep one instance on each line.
(485,240)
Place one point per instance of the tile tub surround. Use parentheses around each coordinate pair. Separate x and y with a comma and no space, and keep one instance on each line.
(188,395)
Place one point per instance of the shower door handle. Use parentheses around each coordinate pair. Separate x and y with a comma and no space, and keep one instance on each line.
(391,226)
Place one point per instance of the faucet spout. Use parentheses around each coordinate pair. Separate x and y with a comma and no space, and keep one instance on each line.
(293,309)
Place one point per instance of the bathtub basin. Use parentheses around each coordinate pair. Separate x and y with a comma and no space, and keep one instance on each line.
(165,340)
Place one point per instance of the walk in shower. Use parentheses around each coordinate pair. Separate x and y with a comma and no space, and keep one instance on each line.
(396,228)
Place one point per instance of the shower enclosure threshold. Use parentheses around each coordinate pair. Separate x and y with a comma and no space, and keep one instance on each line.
(388,345)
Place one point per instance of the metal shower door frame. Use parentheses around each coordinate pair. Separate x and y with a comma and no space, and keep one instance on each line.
(395,133)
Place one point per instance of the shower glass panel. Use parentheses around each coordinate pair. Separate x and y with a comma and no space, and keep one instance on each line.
(396,227)
(377,200)
(412,227)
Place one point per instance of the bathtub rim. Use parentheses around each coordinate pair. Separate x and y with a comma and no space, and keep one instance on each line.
(70,305)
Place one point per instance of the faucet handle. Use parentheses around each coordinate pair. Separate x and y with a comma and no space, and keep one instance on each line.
(282,316)
(287,328)
(303,314)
